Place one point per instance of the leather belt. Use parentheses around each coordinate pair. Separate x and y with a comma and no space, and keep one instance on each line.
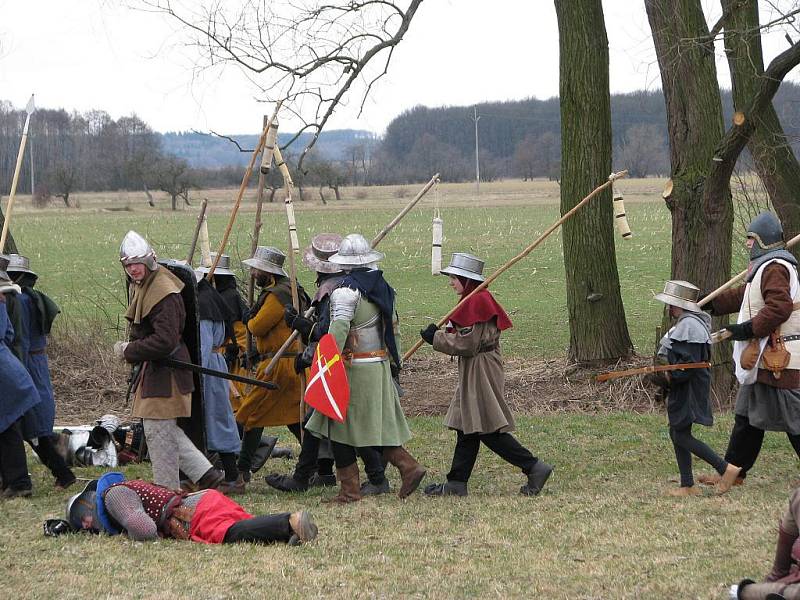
(265,355)
(790,338)
(489,348)
(381,354)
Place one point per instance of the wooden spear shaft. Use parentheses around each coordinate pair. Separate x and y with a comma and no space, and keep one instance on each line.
(10,206)
(652,369)
(242,188)
(282,350)
(393,223)
(200,218)
(728,284)
(266,161)
(612,178)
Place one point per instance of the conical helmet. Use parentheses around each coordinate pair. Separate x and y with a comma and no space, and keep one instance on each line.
(766,232)
(135,249)
(355,251)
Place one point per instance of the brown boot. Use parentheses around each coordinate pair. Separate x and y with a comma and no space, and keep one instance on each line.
(411,472)
(349,487)
(714,479)
(683,492)
(783,555)
(210,479)
(728,479)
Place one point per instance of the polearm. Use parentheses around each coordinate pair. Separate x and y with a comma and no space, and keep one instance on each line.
(187,366)
(242,188)
(200,218)
(294,249)
(266,162)
(377,240)
(611,179)
(728,284)
(651,369)
(393,223)
(29,108)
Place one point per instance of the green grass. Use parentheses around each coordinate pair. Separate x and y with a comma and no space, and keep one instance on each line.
(601,529)
(75,253)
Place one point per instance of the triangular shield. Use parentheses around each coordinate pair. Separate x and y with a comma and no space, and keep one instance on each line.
(328,390)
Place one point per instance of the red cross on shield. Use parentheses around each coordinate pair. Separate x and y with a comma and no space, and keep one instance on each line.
(328,390)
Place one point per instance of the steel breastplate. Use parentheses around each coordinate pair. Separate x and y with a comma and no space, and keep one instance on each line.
(366,337)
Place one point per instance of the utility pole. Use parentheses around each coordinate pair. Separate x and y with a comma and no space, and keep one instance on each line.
(476,118)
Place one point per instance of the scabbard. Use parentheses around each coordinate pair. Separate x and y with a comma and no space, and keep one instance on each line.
(179,364)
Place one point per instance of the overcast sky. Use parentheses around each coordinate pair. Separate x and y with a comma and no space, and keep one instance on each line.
(94,54)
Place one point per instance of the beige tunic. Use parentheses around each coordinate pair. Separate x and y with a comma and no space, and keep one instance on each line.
(478,405)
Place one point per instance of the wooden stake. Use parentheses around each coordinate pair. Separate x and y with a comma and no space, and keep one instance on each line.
(242,188)
(613,177)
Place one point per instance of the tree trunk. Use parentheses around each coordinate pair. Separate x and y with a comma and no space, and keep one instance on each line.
(598,331)
(174,201)
(272,192)
(336,192)
(701,217)
(11,246)
(774,160)
(321,195)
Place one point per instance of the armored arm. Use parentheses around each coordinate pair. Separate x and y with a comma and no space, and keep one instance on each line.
(344,302)
(125,506)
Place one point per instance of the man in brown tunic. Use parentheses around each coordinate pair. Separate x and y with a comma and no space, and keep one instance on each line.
(769,397)
(157,315)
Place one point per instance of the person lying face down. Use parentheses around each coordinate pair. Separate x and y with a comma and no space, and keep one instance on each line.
(145,511)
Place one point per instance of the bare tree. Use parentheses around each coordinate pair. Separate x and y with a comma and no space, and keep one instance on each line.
(642,150)
(172,175)
(309,53)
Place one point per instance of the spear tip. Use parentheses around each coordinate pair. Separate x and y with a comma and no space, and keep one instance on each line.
(30,107)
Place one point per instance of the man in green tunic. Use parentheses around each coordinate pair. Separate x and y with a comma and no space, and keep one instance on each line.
(363,323)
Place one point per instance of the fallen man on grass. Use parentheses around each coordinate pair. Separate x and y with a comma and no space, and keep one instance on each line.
(145,511)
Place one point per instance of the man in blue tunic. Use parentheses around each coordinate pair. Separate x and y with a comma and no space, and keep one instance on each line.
(19,395)
(36,314)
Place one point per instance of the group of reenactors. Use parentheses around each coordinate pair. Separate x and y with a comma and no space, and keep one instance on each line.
(355,304)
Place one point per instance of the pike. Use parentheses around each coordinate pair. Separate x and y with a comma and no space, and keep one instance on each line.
(200,219)
(728,284)
(611,179)
(29,108)
(377,240)
(266,163)
(242,188)
(651,369)
(187,366)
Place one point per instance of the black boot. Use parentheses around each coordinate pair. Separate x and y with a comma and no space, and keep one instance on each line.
(286,483)
(375,489)
(448,488)
(536,479)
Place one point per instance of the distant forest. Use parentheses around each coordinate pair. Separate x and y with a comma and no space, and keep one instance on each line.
(517,139)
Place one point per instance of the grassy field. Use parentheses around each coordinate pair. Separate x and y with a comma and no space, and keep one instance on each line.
(75,251)
(602,529)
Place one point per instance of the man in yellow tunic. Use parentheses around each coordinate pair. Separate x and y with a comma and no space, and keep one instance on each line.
(261,407)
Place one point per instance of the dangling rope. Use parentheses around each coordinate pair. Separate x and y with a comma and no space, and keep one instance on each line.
(436,245)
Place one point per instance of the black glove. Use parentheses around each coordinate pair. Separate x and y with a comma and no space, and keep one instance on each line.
(395,372)
(741,331)
(298,322)
(428,333)
(303,360)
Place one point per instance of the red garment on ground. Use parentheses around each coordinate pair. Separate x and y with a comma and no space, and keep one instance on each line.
(480,308)
(213,516)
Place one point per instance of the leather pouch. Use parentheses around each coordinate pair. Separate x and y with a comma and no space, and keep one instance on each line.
(776,357)
(750,354)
